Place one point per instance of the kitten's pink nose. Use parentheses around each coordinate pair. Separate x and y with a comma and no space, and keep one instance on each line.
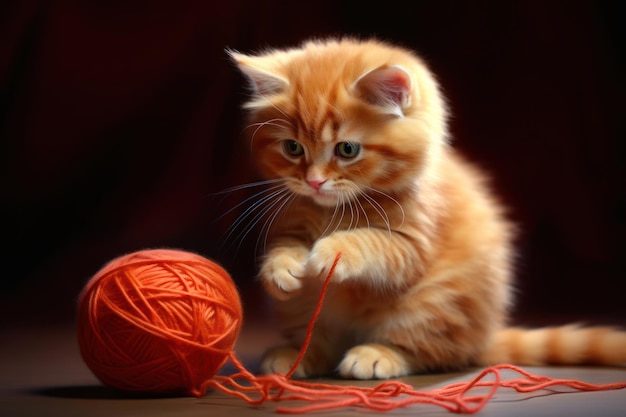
(317,184)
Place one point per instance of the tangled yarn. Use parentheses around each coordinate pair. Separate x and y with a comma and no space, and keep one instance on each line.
(158,321)
(165,321)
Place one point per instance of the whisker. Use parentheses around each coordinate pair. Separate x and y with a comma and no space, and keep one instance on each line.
(255,213)
(330,221)
(252,197)
(353,200)
(343,209)
(246,186)
(367,219)
(271,122)
(257,204)
(357,201)
(333,219)
(265,229)
(392,199)
(347,201)
(379,209)
(260,125)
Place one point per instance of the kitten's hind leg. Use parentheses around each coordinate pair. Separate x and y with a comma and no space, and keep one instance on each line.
(374,361)
(281,359)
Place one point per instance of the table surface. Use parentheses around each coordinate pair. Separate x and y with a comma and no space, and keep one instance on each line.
(42,374)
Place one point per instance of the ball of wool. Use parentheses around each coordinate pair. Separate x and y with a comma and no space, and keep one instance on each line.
(159,321)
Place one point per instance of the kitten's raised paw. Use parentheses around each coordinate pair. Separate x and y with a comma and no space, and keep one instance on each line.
(280,360)
(323,255)
(281,274)
(373,361)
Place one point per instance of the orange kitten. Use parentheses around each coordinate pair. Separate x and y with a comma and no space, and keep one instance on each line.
(352,135)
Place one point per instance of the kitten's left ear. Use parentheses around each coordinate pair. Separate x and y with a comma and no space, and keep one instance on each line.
(263,81)
(386,87)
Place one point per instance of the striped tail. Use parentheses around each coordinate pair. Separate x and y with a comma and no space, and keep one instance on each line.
(564,345)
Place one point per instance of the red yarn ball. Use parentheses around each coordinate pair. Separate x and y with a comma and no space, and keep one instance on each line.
(158,321)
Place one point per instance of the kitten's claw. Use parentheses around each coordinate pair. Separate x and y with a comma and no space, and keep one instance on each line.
(280,361)
(373,362)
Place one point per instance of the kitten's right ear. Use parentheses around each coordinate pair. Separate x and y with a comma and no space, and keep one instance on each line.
(386,87)
(263,81)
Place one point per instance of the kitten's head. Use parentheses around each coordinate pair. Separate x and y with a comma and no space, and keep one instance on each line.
(338,118)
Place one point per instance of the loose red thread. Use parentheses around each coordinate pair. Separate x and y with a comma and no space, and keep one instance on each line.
(386,396)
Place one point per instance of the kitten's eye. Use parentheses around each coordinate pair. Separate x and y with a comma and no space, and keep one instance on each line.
(347,149)
(293,148)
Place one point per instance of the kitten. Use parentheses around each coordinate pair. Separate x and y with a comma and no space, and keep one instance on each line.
(352,134)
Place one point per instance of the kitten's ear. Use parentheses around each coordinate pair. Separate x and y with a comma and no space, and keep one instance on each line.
(262,80)
(386,87)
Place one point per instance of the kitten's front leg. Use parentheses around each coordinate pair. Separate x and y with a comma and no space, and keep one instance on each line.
(282,270)
(377,255)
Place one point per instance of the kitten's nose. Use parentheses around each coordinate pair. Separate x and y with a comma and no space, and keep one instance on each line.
(317,184)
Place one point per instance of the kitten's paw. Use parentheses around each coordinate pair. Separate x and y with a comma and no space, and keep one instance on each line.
(323,255)
(373,361)
(280,360)
(281,273)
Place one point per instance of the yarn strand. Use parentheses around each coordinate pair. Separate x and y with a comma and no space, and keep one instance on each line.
(386,396)
(314,317)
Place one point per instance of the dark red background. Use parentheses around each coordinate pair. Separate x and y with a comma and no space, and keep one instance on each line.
(120,119)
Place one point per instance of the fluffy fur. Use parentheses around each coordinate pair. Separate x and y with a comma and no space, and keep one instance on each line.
(351,136)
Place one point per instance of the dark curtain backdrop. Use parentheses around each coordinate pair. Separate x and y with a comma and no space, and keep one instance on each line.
(120,120)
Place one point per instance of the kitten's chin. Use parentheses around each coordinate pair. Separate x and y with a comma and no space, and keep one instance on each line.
(325,199)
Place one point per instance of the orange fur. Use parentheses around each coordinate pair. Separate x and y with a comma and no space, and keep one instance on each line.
(354,134)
